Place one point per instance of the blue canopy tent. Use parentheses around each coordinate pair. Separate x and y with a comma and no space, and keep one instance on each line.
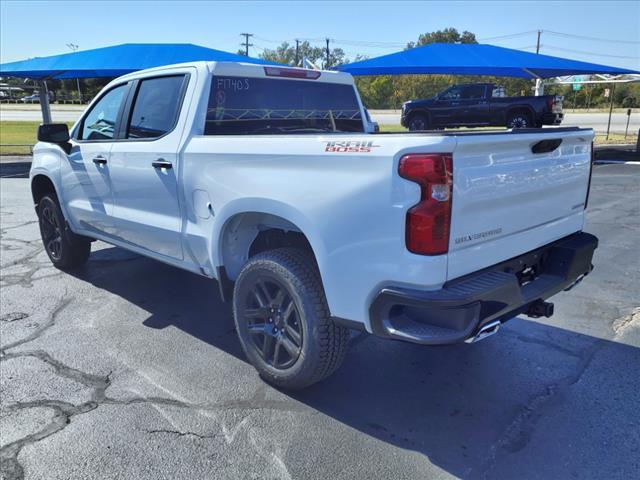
(117,60)
(112,62)
(475,59)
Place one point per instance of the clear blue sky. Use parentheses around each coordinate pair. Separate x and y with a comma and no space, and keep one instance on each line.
(29,29)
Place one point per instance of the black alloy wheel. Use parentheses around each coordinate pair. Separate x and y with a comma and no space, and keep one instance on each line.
(418,122)
(65,249)
(273,321)
(51,231)
(519,120)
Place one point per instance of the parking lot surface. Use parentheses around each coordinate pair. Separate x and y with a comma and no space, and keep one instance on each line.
(131,369)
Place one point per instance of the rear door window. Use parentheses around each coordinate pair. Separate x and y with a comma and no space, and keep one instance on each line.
(473,92)
(156,107)
(255,106)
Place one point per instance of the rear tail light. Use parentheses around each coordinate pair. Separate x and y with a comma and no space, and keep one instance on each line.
(429,221)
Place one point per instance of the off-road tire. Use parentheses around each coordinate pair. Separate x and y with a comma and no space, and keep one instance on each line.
(65,249)
(323,343)
(520,120)
(418,122)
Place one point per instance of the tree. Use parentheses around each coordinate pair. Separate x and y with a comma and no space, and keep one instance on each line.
(390,92)
(285,53)
(448,35)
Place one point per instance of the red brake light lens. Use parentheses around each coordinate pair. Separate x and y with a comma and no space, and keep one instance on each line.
(292,73)
(429,222)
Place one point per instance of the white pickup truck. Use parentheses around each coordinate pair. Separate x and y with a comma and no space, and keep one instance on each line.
(268,180)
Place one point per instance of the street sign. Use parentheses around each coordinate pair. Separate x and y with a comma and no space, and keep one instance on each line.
(578,79)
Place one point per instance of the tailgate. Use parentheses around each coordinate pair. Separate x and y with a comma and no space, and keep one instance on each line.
(508,200)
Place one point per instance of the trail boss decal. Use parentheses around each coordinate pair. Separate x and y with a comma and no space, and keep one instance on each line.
(350,146)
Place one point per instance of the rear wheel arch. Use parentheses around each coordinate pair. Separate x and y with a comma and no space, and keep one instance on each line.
(247,234)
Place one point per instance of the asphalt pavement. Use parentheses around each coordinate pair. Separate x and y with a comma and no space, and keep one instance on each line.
(131,369)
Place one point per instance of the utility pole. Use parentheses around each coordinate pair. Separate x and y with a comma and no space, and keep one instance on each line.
(74,48)
(297,52)
(246,43)
(613,90)
(327,62)
(539,87)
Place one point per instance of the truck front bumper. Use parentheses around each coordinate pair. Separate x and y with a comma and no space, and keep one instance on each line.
(468,305)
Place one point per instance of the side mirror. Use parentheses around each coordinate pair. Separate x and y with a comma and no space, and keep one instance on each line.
(53,133)
(57,133)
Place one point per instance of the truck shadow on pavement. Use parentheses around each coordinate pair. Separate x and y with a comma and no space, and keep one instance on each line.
(532,401)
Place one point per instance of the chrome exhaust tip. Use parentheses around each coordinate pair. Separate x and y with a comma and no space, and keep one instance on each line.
(486,331)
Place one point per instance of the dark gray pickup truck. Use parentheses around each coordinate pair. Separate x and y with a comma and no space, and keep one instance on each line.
(481,104)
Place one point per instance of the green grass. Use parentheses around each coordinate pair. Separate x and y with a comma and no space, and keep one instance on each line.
(24,133)
(18,133)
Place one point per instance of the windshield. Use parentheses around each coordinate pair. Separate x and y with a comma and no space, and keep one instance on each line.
(251,106)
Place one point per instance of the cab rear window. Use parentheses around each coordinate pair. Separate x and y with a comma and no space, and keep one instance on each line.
(255,106)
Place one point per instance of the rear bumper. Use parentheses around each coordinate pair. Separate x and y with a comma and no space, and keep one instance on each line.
(463,306)
(552,118)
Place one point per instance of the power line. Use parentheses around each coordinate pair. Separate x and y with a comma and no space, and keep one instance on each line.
(364,43)
(584,52)
(562,34)
(528,47)
(269,40)
(512,35)
(595,39)
(387,45)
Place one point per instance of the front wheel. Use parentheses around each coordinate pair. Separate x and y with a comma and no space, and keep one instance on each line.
(65,249)
(283,322)
(418,122)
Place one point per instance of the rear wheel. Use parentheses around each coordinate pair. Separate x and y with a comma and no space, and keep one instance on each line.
(65,249)
(519,120)
(418,121)
(283,322)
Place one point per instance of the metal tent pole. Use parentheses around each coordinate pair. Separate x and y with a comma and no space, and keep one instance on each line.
(539,90)
(44,102)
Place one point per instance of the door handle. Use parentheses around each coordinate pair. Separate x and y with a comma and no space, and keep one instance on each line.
(162,163)
(99,160)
